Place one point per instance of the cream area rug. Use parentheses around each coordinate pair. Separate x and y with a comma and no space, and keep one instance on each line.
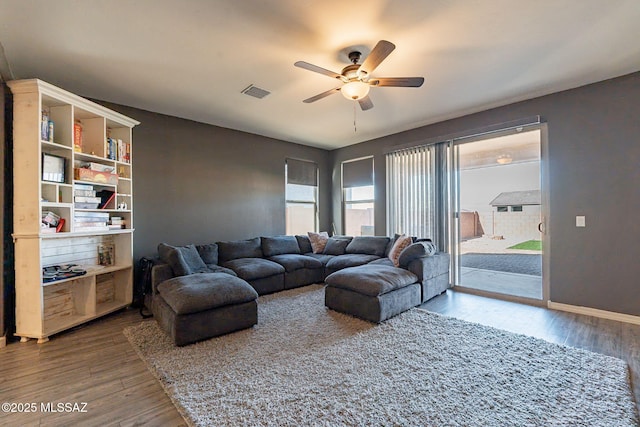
(304,364)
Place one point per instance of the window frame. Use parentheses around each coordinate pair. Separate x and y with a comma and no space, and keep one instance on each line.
(287,201)
(343,193)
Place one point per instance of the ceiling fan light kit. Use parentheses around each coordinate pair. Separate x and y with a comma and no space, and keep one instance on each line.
(355,77)
(355,90)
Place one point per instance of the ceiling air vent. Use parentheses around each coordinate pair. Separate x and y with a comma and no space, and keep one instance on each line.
(255,91)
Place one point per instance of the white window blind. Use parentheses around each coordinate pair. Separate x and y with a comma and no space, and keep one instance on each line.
(410,193)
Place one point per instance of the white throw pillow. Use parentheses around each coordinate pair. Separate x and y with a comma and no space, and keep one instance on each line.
(400,244)
(318,241)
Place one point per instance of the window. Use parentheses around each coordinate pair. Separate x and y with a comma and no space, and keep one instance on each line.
(301,196)
(410,192)
(502,208)
(516,208)
(358,197)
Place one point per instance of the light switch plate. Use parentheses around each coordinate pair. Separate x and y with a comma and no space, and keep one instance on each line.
(581,221)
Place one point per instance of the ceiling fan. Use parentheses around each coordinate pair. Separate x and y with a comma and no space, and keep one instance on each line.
(356,78)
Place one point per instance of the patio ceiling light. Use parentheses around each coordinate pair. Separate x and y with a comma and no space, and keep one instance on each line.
(504,159)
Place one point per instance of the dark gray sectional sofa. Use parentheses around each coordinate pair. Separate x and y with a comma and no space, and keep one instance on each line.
(272,264)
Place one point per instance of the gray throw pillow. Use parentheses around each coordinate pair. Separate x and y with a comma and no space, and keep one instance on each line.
(183,260)
(237,249)
(208,253)
(304,244)
(336,245)
(279,245)
(415,251)
(368,245)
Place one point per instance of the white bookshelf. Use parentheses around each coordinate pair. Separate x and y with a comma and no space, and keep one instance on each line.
(46,308)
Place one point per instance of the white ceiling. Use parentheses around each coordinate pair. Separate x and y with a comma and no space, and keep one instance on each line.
(192,59)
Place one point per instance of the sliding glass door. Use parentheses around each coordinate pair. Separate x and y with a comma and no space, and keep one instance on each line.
(497,213)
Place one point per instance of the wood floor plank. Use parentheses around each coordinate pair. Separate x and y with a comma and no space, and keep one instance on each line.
(95,362)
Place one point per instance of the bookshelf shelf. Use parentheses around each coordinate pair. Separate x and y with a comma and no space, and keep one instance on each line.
(83,130)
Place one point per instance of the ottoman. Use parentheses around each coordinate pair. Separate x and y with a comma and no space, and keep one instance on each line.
(200,306)
(372,292)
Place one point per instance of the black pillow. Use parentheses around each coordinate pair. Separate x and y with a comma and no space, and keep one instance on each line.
(183,260)
(304,244)
(336,245)
(415,251)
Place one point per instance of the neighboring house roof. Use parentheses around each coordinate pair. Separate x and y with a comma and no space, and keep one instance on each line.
(517,198)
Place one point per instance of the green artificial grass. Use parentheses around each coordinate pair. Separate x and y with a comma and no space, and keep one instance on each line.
(530,245)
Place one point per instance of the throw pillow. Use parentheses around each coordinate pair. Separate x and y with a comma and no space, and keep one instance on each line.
(336,245)
(208,253)
(401,242)
(415,251)
(278,245)
(183,260)
(368,245)
(304,244)
(318,241)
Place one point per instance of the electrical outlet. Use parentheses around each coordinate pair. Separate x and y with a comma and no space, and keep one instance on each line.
(581,221)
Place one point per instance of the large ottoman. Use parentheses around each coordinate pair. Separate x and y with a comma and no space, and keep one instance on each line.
(200,306)
(372,292)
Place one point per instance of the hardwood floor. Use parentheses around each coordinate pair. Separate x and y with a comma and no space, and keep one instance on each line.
(95,363)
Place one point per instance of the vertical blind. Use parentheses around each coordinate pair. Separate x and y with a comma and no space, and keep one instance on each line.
(410,192)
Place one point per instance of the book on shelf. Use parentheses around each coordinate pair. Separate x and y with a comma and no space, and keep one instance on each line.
(106,254)
(79,205)
(84,193)
(100,215)
(86,199)
(83,224)
(77,136)
(60,225)
(98,167)
(88,187)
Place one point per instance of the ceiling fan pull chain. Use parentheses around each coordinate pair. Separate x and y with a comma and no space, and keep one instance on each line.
(355,130)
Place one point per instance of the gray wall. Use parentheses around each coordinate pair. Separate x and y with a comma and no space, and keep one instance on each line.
(197,183)
(594,170)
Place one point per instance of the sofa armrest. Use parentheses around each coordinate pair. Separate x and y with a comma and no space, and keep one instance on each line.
(160,273)
(428,267)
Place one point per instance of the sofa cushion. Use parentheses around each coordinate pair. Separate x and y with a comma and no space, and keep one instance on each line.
(382,261)
(368,245)
(323,258)
(400,244)
(235,249)
(208,253)
(213,268)
(254,268)
(318,241)
(336,245)
(349,260)
(204,291)
(372,280)
(279,245)
(293,262)
(304,244)
(415,251)
(184,260)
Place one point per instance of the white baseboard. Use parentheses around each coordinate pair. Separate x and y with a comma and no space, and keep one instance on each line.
(611,315)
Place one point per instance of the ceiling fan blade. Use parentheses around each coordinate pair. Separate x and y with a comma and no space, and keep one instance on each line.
(365,103)
(316,69)
(377,55)
(397,81)
(321,95)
